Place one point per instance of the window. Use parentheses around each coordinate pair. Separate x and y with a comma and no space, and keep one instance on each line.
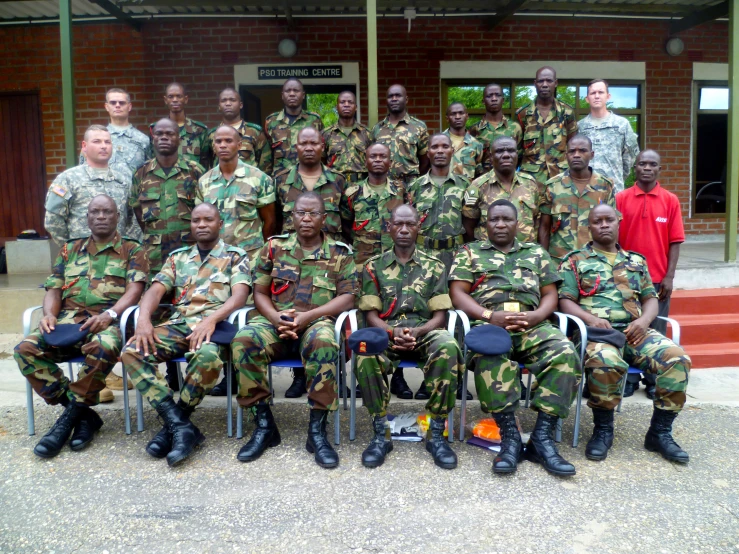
(711,104)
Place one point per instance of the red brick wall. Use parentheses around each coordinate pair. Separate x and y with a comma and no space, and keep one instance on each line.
(112,54)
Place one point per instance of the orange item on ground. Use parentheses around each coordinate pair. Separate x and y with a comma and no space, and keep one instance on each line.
(486,429)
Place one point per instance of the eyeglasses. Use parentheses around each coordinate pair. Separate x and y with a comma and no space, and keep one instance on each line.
(117,102)
(314,215)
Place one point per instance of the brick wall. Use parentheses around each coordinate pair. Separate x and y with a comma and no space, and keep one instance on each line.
(112,54)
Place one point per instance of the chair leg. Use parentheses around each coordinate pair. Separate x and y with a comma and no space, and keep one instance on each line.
(450,425)
(239,422)
(528,391)
(70,371)
(353,403)
(463,410)
(229,399)
(623,388)
(139,412)
(29,409)
(271,388)
(558,431)
(578,410)
(126,408)
(180,380)
(342,390)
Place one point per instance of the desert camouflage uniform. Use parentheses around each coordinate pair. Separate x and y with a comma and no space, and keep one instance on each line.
(300,283)
(408,141)
(618,299)
(254,149)
(283,136)
(70,194)
(238,201)
(330,186)
(518,276)
(440,214)
(524,194)
(545,140)
(92,279)
(615,146)
(192,137)
(166,201)
(570,210)
(346,154)
(370,212)
(407,296)
(468,158)
(485,132)
(198,288)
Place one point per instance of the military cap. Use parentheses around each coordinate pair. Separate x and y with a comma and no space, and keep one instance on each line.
(489,340)
(608,336)
(369,341)
(65,334)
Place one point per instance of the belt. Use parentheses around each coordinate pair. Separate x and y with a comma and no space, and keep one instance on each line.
(354,177)
(440,244)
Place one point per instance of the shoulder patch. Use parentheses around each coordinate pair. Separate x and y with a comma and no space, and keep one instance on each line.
(199,124)
(570,254)
(58,189)
(374,258)
(239,251)
(253,126)
(131,239)
(182,249)
(526,176)
(351,190)
(636,256)
(283,236)
(522,108)
(339,243)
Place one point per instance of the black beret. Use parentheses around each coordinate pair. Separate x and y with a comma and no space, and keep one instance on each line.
(224,333)
(65,334)
(369,341)
(488,339)
(607,336)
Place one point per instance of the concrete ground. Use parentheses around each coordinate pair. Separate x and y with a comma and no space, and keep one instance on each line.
(113,497)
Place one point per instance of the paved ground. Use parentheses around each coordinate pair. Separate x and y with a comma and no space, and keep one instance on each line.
(113,497)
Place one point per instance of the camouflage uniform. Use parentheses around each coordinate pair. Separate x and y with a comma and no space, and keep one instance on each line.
(296,283)
(283,136)
(166,201)
(238,201)
(254,149)
(346,153)
(192,139)
(330,186)
(485,132)
(525,195)
(92,279)
(496,278)
(370,212)
(468,158)
(440,212)
(408,141)
(615,146)
(545,140)
(198,289)
(570,211)
(71,192)
(618,299)
(407,296)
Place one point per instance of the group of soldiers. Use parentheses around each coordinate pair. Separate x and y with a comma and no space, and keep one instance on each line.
(507,226)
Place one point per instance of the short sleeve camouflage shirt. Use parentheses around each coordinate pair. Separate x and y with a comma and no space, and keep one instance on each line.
(346,153)
(439,207)
(467,159)
(407,140)
(282,135)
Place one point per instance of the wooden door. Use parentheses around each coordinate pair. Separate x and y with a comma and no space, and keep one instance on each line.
(22,164)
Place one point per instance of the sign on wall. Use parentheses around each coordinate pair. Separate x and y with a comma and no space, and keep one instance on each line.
(270,72)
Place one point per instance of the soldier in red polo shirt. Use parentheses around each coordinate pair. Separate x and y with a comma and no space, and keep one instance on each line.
(652,225)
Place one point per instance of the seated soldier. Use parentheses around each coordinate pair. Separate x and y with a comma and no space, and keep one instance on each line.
(207,282)
(513,285)
(303,280)
(610,288)
(93,280)
(405,292)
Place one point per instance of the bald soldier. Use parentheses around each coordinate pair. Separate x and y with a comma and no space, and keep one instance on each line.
(468,152)
(191,132)
(346,141)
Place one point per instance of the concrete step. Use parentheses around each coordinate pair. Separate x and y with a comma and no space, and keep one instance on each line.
(716,328)
(704,301)
(714,354)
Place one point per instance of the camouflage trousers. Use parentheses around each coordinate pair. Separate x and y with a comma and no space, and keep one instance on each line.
(38,363)
(258,344)
(201,374)
(544,351)
(656,355)
(441,358)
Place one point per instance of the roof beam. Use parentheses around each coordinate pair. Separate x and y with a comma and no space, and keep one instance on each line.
(697,18)
(118,13)
(504,12)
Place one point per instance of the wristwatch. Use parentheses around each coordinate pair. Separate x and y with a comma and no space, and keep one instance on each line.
(112,314)
(487,314)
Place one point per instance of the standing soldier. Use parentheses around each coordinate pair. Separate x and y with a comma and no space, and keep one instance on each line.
(568,200)
(302,282)
(367,206)
(254,149)
(191,133)
(468,152)
(405,293)
(547,125)
(405,136)
(93,281)
(282,127)
(494,124)
(346,141)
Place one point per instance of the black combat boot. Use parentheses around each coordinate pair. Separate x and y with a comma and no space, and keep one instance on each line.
(659,437)
(265,435)
(161,444)
(172,376)
(185,436)
(299,384)
(602,439)
(88,424)
(440,450)
(542,450)
(511,447)
(380,445)
(52,442)
(317,443)
(399,387)
(221,389)
(423,392)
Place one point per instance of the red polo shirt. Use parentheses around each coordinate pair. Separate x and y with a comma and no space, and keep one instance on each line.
(651,221)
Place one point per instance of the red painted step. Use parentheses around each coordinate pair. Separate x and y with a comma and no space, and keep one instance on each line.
(725,354)
(704,301)
(716,328)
